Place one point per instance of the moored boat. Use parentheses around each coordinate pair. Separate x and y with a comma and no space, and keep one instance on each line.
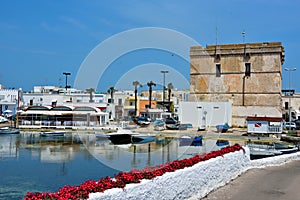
(222,142)
(130,126)
(262,150)
(121,136)
(159,125)
(285,148)
(190,141)
(143,138)
(222,128)
(52,133)
(177,127)
(197,141)
(7,130)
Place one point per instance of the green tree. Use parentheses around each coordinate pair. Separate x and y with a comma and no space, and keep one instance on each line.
(111,91)
(150,84)
(170,88)
(136,84)
(91,91)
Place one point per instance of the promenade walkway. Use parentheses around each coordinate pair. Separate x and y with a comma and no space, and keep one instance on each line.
(270,183)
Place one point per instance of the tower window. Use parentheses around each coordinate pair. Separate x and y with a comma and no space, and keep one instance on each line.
(247,69)
(218,70)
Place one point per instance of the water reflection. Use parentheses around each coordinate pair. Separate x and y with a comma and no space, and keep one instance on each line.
(8,147)
(64,149)
(38,163)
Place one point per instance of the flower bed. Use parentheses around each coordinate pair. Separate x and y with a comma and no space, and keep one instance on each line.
(121,179)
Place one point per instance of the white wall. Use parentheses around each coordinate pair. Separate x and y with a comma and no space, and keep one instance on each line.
(189,183)
(9,100)
(205,113)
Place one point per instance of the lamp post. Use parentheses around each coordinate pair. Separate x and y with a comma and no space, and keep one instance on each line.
(67,74)
(290,90)
(164,73)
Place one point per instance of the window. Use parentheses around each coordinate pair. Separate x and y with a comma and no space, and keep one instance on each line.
(286,105)
(218,70)
(247,69)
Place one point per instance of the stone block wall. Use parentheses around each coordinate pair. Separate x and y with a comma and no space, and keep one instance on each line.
(261,88)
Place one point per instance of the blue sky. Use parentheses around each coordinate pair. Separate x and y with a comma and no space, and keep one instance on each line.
(41,39)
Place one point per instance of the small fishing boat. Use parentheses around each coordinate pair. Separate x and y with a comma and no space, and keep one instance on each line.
(222,142)
(197,141)
(143,138)
(52,134)
(176,127)
(159,125)
(7,130)
(190,141)
(222,128)
(130,126)
(121,136)
(262,150)
(285,148)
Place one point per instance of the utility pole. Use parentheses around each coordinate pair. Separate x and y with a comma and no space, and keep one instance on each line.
(67,74)
(290,91)
(164,83)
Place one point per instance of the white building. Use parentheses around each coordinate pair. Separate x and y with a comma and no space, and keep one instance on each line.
(52,96)
(205,114)
(10,100)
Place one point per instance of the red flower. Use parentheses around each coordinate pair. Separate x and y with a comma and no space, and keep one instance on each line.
(123,178)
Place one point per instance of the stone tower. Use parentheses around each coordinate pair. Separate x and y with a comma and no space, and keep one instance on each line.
(249,75)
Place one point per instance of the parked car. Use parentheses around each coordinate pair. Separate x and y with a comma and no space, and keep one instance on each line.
(171,120)
(289,125)
(297,122)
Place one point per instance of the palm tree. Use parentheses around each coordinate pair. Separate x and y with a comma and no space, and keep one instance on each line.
(135,84)
(170,88)
(111,91)
(91,91)
(150,84)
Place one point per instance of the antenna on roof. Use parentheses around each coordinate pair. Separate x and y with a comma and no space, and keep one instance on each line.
(216,35)
(243,34)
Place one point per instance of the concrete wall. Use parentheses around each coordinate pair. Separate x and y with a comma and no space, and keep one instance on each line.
(189,183)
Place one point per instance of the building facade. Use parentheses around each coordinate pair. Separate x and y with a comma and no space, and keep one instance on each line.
(250,75)
(10,100)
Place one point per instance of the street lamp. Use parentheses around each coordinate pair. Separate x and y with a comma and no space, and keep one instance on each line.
(290,91)
(67,74)
(164,73)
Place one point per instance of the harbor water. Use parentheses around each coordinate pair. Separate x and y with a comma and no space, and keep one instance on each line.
(32,163)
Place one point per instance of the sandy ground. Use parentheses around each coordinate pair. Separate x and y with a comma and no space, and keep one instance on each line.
(270,183)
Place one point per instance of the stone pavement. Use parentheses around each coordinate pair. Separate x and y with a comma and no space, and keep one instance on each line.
(270,183)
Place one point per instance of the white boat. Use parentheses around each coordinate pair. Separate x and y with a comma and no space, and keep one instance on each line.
(7,130)
(121,136)
(285,148)
(130,126)
(3,119)
(143,138)
(159,128)
(52,133)
(262,150)
(159,125)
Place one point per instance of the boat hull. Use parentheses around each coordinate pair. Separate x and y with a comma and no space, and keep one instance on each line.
(190,141)
(7,130)
(120,138)
(141,139)
(52,134)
